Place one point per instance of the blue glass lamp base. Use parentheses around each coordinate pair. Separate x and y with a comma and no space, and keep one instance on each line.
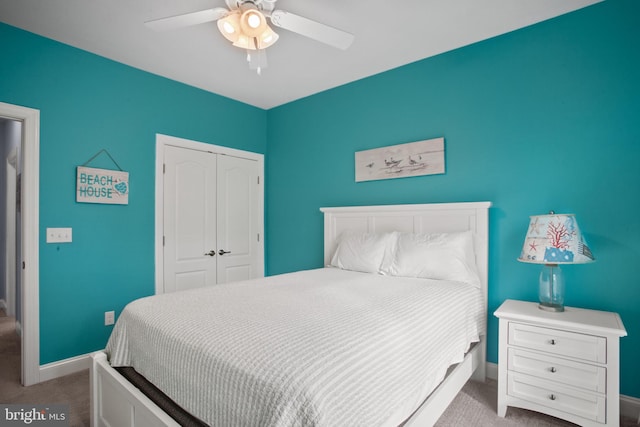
(551,291)
(551,307)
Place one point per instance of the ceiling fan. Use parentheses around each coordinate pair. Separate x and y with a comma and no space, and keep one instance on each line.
(244,24)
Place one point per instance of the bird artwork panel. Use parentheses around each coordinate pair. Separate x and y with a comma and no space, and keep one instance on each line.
(402,160)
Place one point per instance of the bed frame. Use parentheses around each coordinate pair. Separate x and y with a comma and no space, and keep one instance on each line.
(115,402)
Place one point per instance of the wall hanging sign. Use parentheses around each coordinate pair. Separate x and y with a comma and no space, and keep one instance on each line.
(102,185)
(399,161)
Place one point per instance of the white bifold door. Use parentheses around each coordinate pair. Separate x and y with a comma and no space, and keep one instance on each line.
(212,217)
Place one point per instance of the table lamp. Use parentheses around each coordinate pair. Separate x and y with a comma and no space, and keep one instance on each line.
(552,240)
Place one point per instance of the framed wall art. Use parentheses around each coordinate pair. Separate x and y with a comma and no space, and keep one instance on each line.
(401,161)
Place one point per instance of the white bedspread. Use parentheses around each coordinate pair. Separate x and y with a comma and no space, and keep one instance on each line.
(322,347)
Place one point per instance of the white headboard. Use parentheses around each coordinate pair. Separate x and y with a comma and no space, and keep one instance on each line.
(427,218)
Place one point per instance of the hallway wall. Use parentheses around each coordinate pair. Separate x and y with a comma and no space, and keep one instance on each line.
(10,137)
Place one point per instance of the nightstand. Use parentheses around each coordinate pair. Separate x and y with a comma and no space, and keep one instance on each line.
(562,364)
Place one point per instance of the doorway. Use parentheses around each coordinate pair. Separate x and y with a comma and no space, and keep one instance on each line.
(27,177)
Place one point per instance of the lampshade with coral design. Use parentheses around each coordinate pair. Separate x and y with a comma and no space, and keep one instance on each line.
(551,240)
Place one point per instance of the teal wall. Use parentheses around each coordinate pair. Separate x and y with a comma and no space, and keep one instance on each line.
(542,118)
(88,103)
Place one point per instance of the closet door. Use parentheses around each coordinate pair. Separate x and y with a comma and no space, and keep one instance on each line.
(189,219)
(239,216)
(212,219)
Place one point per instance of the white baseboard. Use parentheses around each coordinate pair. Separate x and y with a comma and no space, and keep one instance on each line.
(64,367)
(492,371)
(629,406)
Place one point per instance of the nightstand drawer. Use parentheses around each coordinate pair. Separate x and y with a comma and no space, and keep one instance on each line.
(577,374)
(590,406)
(569,344)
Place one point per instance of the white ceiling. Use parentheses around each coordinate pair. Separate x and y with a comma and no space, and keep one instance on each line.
(387,35)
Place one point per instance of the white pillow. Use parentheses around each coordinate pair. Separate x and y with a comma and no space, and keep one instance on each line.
(443,256)
(361,251)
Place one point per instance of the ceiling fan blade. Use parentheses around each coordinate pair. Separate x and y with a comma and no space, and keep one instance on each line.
(187,19)
(312,29)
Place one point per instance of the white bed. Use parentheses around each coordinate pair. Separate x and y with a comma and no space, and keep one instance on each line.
(329,377)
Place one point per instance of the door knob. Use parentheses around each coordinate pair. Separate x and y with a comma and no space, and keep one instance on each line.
(222,252)
(211,253)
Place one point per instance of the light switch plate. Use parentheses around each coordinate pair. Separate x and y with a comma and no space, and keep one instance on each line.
(109,318)
(58,235)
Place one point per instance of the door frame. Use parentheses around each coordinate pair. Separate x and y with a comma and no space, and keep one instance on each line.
(161,142)
(29,211)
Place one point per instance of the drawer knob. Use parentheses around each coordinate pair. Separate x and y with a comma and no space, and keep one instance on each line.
(553,370)
(552,342)
(552,397)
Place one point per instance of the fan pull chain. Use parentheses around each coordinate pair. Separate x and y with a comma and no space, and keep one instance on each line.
(258,69)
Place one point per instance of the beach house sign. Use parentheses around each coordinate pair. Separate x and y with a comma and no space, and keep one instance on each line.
(102,186)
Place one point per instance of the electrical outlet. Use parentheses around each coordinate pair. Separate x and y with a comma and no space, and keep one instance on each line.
(109,318)
(59,235)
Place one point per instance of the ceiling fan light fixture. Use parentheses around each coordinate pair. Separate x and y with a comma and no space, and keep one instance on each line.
(247,30)
(253,20)
(229,26)
(253,23)
(245,42)
(267,38)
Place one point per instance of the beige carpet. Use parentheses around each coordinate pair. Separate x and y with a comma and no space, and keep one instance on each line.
(71,389)
(474,406)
